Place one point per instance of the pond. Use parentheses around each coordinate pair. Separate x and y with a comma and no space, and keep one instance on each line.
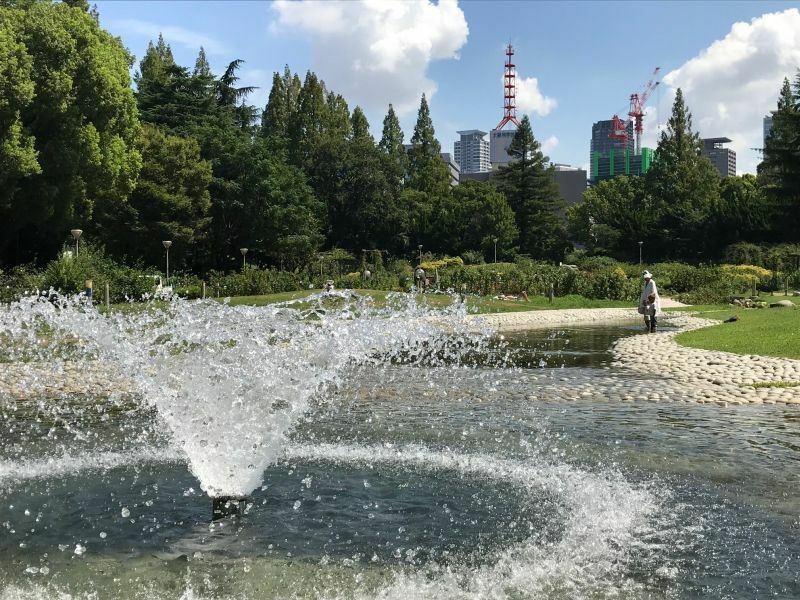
(492,478)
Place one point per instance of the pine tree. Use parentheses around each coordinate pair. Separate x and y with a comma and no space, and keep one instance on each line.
(531,191)
(360,126)
(201,66)
(427,172)
(683,187)
(780,172)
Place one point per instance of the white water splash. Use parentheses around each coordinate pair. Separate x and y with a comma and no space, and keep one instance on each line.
(232,382)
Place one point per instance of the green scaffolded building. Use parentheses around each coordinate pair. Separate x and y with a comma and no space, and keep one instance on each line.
(612,163)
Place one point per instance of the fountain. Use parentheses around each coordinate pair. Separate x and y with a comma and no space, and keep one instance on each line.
(354,451)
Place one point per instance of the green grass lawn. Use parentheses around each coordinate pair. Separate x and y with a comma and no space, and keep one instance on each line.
(483,304)
(767,331)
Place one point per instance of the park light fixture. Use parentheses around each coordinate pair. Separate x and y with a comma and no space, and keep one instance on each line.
(640,252)
(494,239)
(167,244)
(76,234)
(420,253)
(244,257)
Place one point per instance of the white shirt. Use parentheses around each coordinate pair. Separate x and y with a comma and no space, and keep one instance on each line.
(650,288)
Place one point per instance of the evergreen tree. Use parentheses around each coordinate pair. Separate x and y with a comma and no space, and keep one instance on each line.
(306,123)
(392,138)
(614,215)
(201,66)
(275,118)
(171,200)
(780,171)
(530,189)
(336,123)
(68,126)
(683,186)
(360,126)
(427,172)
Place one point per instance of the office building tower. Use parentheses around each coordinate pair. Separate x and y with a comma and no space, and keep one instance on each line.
(724,159)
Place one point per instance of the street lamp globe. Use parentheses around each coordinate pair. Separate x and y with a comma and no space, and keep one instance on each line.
(167,244)
(76,234)
(244,256)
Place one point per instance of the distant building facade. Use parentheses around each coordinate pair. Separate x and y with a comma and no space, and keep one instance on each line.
(452,168)
(602,144)
(471,152)
(571,183)
(724,159)
(620,162)
(499,141)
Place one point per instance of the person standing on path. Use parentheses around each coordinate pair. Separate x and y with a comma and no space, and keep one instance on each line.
(649,302)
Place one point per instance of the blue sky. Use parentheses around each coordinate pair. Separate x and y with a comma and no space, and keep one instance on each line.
(577,61)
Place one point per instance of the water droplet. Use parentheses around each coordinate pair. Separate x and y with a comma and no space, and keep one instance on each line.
(79,549)
(297,504)
(103,535)
(125,513)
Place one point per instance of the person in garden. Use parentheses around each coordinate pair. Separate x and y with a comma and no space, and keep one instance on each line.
(649,302)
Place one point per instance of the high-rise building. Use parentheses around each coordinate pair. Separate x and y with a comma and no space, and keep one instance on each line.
(471,152)
(767,129)
(601,143)
(620,162)
(499,141)
(724,159)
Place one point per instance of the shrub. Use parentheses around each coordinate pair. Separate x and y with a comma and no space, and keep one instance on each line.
(472,257)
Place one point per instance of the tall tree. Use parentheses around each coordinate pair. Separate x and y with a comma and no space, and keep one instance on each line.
(275,117)
(171,199)
(427,172)
(336,122)
(615,214)
(306,123)
(684,187)
(201,66)
(530,189)
(471,218)
(780,171)
(360,126)
(68,150)
(392,138)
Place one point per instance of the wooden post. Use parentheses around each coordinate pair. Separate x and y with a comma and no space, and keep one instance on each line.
(108,298)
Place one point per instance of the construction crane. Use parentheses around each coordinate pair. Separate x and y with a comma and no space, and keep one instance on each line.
(619,128)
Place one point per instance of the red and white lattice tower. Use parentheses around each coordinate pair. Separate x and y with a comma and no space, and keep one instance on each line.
(509,91)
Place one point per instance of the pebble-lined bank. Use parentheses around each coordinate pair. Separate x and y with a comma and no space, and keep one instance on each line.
(703,375)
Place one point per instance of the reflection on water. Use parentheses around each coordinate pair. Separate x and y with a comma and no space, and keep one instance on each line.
(411,482)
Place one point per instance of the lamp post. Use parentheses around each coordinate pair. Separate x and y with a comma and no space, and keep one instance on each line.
(244,257)
(167,244)
(76,233)
(640,253)
(420,253)
(495,249)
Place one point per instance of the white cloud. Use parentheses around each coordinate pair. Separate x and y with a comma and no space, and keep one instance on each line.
(531,100)
(733,83)
(377,51)
(172,34)
(549,144)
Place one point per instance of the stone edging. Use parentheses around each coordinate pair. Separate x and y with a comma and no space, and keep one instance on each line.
(705,375)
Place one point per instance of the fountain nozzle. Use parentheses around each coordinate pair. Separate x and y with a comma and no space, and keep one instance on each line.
(227,506)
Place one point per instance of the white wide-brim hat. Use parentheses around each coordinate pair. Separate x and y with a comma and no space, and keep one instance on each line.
(647,275)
